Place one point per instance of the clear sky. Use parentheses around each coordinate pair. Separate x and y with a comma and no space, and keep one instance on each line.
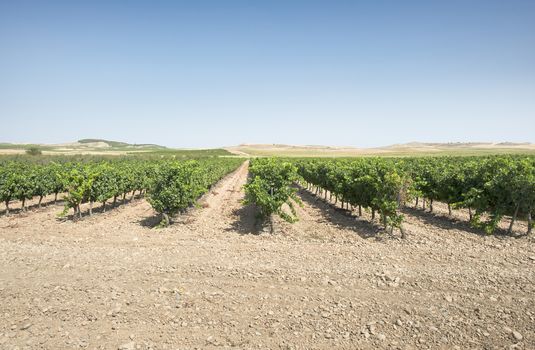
(215,73)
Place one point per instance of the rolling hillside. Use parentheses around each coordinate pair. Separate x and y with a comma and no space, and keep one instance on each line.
(107,147)
(407,149)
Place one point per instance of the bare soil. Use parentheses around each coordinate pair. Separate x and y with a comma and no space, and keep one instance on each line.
(215,279)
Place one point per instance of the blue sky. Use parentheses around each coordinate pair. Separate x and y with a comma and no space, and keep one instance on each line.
(216,73)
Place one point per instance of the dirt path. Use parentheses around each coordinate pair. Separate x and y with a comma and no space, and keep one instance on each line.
(213,280)
(222,204)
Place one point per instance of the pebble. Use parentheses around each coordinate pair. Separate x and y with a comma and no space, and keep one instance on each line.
(127,346)
(26,326)
(399,323)
(115,311)
(517,335)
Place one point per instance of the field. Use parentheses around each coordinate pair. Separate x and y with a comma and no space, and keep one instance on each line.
(401,150)
(219,277)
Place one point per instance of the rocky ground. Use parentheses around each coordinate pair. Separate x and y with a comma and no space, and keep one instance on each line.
(216,279)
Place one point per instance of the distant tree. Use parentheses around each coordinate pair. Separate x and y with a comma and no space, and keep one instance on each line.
(33,151)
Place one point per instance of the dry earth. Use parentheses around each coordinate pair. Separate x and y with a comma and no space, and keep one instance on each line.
(215,280)
(407,149)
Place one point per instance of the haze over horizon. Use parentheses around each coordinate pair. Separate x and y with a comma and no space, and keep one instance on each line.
(212,74)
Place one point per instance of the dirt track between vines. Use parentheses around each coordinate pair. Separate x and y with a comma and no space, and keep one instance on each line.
(215,279)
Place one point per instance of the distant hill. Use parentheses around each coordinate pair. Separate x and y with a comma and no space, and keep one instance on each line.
(84,146)
(293,150)
(406,149)
(118,144)
(526,145)
(108,147)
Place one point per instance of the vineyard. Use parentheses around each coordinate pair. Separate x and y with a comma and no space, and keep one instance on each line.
(172,186)
(490,188)
(151,252)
